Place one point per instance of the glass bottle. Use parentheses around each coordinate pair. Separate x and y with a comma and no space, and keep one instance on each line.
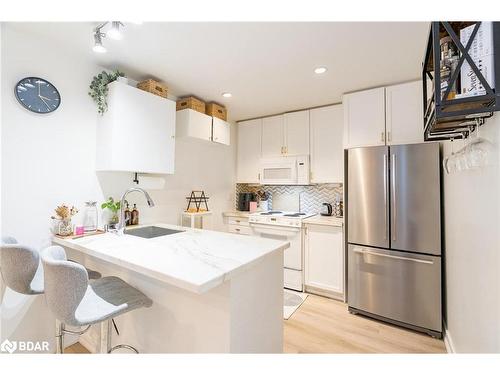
(90,218)
(128,216)
(135,215)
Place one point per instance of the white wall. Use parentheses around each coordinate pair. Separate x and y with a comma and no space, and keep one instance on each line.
(472,251)
(49,159)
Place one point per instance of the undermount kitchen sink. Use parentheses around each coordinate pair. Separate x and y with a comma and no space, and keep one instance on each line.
(151,232)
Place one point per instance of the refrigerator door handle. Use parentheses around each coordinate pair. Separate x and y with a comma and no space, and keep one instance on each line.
(367,252)
(385,197)
(393,192)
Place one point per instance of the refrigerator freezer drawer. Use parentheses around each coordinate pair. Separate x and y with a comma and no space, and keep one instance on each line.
(400,286)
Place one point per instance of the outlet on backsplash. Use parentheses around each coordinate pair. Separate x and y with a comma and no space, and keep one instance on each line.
(310,198)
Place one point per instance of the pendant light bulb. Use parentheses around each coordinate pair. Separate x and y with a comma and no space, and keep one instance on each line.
(114,32)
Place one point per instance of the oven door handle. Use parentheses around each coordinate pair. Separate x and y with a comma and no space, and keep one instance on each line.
(274,229)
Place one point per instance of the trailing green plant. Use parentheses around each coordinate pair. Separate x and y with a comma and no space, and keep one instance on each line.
(99,88)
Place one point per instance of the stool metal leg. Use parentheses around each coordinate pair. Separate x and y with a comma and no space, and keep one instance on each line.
(59,337)
(105,337)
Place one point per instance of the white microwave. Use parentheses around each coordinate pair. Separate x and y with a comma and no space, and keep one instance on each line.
(285,170)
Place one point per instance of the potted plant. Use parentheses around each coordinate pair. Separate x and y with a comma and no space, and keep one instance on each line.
(63,225)
(99,88)
(112,207)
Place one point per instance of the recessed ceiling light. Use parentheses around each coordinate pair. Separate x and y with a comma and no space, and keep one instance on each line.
(320,70)
(227,94)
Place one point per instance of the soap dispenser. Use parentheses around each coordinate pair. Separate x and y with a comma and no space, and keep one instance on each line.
(135,215)
(128,215)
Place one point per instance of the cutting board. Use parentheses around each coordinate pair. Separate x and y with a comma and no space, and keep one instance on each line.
(286,201)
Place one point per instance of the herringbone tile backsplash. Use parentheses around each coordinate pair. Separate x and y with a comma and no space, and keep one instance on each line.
(312,197)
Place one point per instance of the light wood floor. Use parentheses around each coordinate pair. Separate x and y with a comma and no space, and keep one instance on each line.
(323,325)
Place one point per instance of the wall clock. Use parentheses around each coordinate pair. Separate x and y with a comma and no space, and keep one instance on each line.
(37,95)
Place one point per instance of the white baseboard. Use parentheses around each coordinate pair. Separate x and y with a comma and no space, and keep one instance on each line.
(448,342)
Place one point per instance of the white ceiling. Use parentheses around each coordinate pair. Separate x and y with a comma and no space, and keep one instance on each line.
(268,67)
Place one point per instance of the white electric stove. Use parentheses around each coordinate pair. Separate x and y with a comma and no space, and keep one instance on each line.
(284,226)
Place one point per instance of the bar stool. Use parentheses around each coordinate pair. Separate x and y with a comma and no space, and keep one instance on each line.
(76,301)
(20,267)
(22,271)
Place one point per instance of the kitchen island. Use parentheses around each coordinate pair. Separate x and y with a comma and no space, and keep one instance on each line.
(212,291)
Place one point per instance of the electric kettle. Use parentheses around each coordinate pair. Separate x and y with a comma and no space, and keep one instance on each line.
(327,209)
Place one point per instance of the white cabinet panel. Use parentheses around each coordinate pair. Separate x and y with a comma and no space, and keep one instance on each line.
(249,151)
(404,113)
(326,126)
(324,258)
(137,133)
(191,123)
(364,118)
(297,133)
(221,131)
(272,136)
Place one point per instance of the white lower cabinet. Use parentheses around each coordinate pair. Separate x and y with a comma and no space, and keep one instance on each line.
(238,225)
(324,260)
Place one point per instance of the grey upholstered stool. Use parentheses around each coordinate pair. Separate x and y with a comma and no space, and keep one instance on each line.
(76,301)
(20,267)
(22,271)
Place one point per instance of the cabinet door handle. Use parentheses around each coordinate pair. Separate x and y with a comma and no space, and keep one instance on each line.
(389,138)
(382,137)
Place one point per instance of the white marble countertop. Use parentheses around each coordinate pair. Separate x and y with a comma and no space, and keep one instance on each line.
(324,220)
(196,260)
(236,213)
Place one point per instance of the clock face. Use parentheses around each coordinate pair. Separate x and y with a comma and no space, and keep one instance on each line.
(37,95)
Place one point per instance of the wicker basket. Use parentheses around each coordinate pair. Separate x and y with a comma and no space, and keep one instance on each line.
(216,110)
(192,103)
(154,87)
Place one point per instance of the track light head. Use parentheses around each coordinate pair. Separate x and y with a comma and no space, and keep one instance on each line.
(114,32)
(98,47)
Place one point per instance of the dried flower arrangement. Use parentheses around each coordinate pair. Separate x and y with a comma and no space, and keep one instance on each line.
(64,212)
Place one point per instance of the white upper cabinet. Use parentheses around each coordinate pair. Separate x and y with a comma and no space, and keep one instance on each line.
(191,123)
(404,113)
(364,118)
(285,135)
(273,137)
(324,259)
(296,133)
(384,116)
(137,133)
(221,131)
(249,151)
(326,125)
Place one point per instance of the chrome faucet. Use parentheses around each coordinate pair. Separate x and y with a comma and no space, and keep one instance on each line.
(121,222)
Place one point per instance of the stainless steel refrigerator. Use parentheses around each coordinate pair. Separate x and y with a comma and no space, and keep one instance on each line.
(394,234)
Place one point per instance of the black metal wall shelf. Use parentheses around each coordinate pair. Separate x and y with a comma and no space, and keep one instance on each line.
(448,117)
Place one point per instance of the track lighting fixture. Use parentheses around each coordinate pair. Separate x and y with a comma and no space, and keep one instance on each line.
(113,32)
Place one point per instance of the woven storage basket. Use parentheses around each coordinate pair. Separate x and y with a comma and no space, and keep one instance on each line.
(154,87)
(192,103)
(216,110)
